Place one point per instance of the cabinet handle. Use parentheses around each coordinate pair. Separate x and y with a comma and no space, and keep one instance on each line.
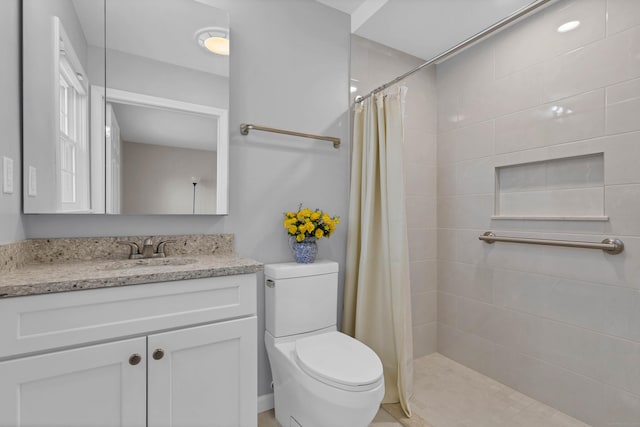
(158,354)
(135,359)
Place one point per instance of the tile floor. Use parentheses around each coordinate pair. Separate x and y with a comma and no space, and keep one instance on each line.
(447,394)
(383,419)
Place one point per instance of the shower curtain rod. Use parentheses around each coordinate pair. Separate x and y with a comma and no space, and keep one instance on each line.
(482,34)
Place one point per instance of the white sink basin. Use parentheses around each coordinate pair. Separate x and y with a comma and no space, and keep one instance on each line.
(147,262)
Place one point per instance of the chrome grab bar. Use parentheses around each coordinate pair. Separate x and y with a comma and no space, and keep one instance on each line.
(611,246)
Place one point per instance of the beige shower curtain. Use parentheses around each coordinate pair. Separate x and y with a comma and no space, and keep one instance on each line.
(377,305)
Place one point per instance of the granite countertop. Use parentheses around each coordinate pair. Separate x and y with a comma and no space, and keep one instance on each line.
(39,279)
(43,266)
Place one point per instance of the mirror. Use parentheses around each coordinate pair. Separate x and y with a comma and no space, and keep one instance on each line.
(125,109)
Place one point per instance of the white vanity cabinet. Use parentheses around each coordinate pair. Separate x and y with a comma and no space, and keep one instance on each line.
(83,387)
(177,354)
(203,375)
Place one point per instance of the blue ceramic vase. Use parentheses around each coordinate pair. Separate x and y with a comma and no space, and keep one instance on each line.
(304,252)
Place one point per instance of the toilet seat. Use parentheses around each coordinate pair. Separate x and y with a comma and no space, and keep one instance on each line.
(340,361)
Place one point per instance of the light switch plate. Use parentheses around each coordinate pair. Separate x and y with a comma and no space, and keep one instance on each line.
(32,188)
(7,175)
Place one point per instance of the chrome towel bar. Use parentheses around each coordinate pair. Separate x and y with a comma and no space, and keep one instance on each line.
(612,246)
(245,128)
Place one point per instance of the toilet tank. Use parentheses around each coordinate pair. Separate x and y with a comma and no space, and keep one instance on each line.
(300,298)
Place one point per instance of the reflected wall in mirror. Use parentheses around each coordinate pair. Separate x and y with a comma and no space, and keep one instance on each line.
(125,112)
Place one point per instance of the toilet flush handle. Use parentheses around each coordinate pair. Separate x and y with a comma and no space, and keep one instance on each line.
(270,283)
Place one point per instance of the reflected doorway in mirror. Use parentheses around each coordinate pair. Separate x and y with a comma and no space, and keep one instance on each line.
(158,141)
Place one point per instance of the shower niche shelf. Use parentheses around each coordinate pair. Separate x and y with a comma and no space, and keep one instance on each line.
(561,189)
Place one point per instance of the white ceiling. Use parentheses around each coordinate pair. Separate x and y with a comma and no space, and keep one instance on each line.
(423,28)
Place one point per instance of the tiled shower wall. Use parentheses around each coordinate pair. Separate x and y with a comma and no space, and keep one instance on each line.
(559,324)
(371,65)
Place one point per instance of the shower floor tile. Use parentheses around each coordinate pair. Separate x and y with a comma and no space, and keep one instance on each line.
(448,394)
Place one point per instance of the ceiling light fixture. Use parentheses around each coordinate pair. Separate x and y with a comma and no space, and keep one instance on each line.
(214,39)
(568,26)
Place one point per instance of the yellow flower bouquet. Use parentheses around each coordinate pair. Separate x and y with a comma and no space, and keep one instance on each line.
(304,228)
(307,223)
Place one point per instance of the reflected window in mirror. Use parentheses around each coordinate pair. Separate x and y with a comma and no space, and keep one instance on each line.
(72,163)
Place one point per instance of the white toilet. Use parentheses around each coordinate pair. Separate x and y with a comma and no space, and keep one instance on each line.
(321,377)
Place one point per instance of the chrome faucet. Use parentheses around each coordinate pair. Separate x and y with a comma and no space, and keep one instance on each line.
(147,248)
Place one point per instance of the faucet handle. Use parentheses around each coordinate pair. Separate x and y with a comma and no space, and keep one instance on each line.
(148,241)
(160,248)
(134,249)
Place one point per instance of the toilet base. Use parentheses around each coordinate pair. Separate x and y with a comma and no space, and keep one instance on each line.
(304,401)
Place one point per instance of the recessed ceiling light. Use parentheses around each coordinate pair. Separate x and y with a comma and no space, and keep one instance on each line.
(568,26)
(214,39)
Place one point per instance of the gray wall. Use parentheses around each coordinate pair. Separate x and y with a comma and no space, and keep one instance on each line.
(11,228)
(289,69)
(143,75)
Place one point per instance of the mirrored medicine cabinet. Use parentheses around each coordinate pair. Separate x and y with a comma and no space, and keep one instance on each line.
(125,109)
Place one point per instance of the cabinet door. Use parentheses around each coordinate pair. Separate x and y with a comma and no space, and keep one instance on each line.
(205,376)
(83,387)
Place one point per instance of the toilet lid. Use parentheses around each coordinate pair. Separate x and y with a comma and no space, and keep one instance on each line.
(338,359)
